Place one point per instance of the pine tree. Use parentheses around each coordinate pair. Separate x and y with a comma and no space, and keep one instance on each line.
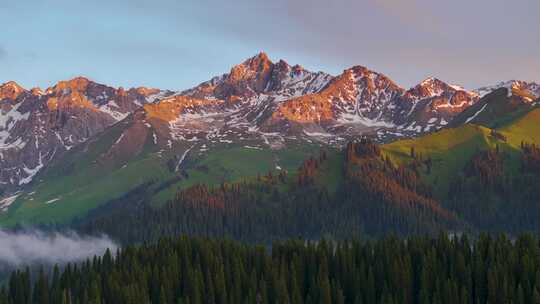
(41,289)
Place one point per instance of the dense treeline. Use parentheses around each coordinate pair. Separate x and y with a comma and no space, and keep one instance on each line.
(382,181)
(373,198)
(422,270)
(497,191)
(496,196)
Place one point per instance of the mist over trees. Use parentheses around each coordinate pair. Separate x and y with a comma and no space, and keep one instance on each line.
(290,213)
(421,270)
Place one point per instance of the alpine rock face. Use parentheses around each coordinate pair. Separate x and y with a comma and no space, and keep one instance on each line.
(277,102)
(258,104)
(431,105)
(529,90)
(499,101)
(36,125)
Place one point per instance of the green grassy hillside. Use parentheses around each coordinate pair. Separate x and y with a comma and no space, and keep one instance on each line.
(450,149)
(81,180)
(526,128)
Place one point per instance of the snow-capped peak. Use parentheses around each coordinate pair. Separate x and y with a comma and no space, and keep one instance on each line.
(429,81)
(529,87)
(437,84)
(428,88)
(434,87)
(37,91)
(456,87)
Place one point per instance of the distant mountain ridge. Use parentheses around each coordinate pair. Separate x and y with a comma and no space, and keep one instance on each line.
(258,101)
(36,125)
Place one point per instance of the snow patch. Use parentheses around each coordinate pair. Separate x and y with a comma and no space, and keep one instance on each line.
(52,201)
(7,122)
(6,202)
(318,134)
(348,118)
(111,108)
(119,139)
(449,105)
(456,87)
(31,172)
(254,148)
(531,87)
(476,114)
(182,158)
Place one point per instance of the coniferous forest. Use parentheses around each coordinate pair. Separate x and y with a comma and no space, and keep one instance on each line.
(373,197)
(444,270)
(200,247)
(382,152)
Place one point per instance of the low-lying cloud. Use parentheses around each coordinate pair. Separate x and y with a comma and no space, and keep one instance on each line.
(29,247)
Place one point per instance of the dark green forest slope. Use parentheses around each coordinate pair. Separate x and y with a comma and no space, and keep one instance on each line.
(358,191)
(337,195)
(416,270)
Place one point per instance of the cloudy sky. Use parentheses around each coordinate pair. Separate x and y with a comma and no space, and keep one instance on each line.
(176,44)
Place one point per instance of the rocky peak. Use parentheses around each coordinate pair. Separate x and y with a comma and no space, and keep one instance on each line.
(121,92)
(434,88)
(372,80)
(281,71)
(10,90)
(297,69)
(37,91)
(360,70)
(525,89)
(80,91)
(528,90)
(363,86)
(358,94)
(258,76)
(250,68)
(259,62)
(293,81)
(251,75)
(520,85)
(144,91)
(432,104)
(430,87)
(282,65)
(78,84)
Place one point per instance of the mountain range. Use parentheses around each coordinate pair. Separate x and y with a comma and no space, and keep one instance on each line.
(72,147)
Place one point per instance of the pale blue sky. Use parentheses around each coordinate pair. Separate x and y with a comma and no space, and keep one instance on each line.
(177,44)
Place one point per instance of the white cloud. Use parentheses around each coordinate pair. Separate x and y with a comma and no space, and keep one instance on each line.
(28,247)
